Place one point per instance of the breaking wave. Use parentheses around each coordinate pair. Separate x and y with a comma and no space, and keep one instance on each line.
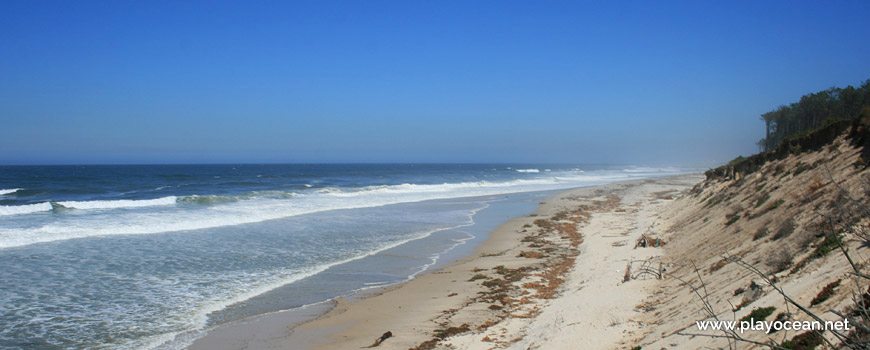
(8,191)
(24,209)
(210,200)
(121,203)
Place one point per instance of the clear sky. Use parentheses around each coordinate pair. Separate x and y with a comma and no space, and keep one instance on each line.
(647,82)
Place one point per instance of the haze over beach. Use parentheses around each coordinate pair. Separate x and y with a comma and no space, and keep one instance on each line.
(430,175)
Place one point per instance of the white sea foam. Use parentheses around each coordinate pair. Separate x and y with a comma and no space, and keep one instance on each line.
(24,209)
(8,191)
(376,283)
(121,203)
(528,171)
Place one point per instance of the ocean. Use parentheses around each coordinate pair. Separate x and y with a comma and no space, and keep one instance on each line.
(151,256)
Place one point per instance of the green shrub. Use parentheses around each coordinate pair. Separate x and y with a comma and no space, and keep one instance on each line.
(759,314)
(736,160)
(804,341)
(831,242)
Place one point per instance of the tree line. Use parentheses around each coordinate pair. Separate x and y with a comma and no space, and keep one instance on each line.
(813,111)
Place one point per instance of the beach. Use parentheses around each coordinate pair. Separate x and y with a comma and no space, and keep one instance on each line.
(155,256)
(434,175)
(550,280)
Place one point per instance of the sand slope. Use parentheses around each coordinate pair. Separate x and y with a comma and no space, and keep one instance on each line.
(774,220)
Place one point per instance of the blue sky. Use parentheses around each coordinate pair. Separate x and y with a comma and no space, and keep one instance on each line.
(665,82)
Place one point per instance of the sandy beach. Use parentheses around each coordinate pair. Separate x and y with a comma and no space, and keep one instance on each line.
(434,175)
(546,280)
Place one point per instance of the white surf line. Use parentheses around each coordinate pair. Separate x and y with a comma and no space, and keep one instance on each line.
(170,340)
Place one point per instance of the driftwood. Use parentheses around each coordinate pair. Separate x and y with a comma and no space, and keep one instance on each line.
(647,241)
(380,340)
(649,268)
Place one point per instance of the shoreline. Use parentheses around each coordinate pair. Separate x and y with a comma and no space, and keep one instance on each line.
(497,209)
(464,298)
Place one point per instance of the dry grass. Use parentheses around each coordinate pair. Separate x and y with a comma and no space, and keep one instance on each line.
(780,260)
(477,277)
(519,292)
(760,233)
(485,325)
(796,214)
(826,293)
(530,254)
(815,185)
(718,265)
(551,279)
(785,229)
(451,331)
